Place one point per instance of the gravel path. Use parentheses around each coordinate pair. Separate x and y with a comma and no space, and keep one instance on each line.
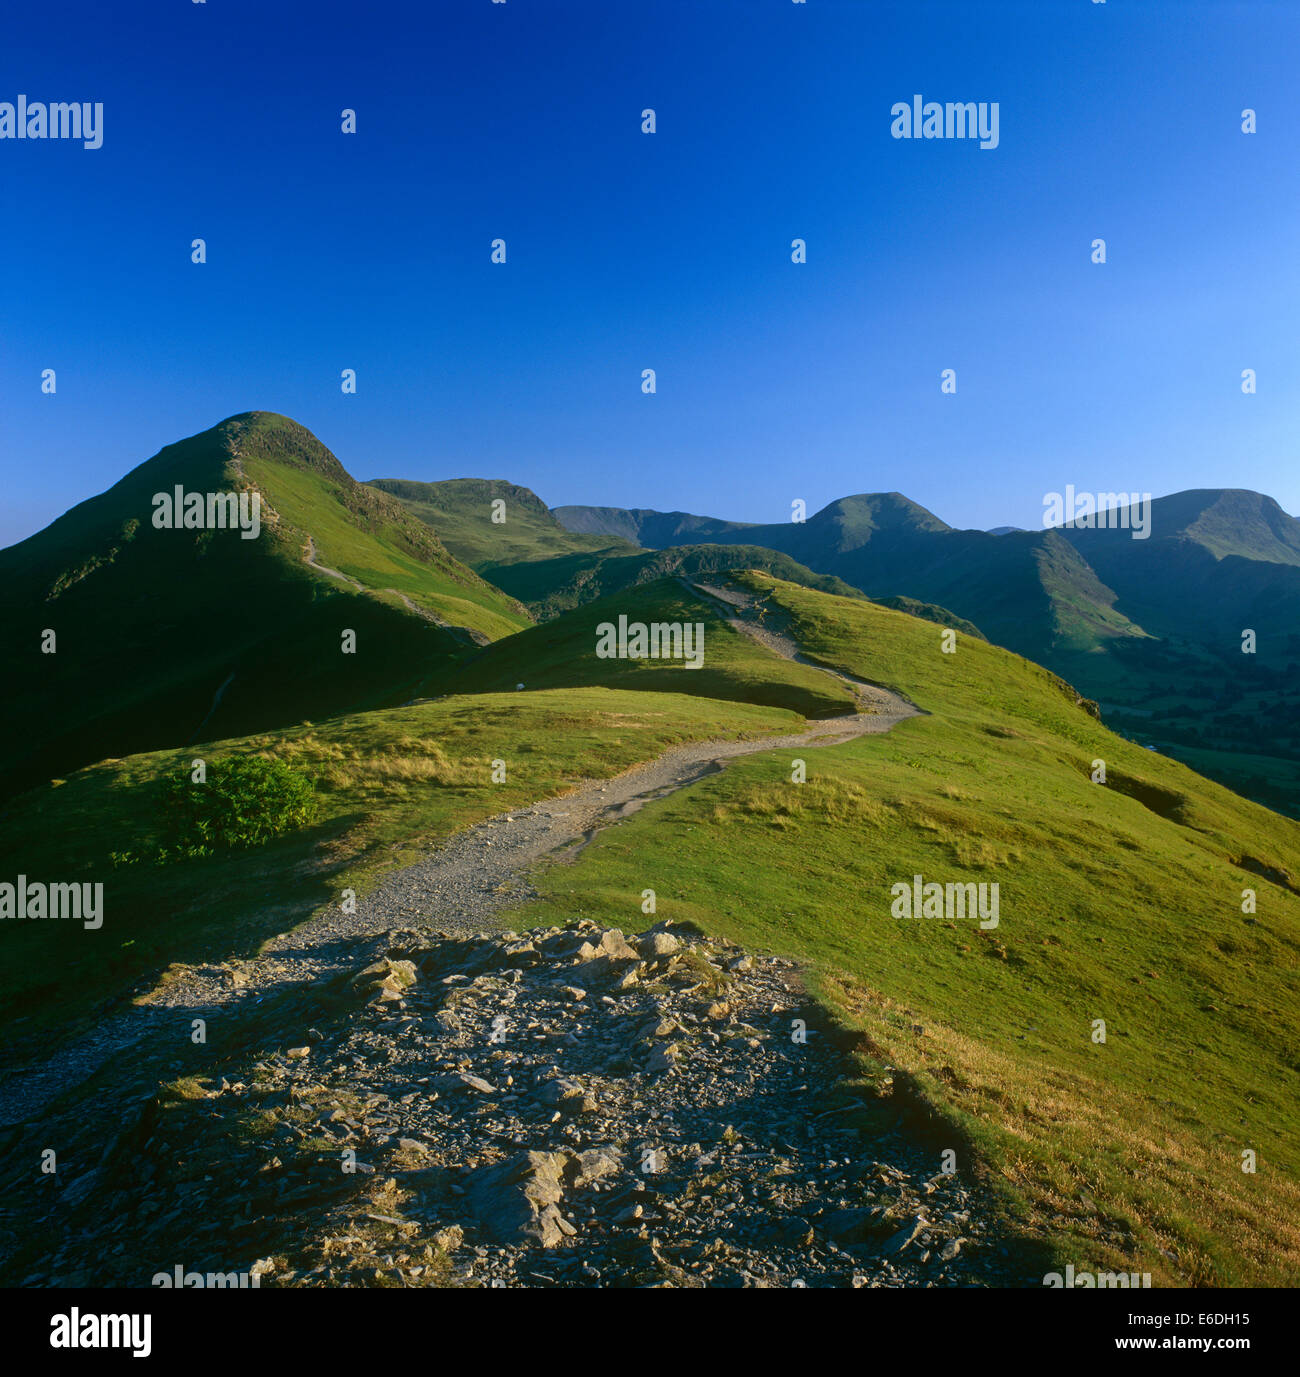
(457,889)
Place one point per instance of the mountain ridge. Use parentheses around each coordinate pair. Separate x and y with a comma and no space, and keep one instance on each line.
(120,634)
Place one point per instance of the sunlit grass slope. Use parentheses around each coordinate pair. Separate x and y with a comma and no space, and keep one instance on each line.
(462,512)
(1119,902)
(391,784)
(362,532)
(563,652)
(117,636)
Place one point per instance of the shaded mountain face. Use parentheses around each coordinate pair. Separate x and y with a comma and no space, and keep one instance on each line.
(654,530)
(508,535)
(888,546)
(121,634)
(489,523)
(1152,628)
(1229,557)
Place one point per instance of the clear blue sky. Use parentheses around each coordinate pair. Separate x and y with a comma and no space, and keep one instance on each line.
(668,251)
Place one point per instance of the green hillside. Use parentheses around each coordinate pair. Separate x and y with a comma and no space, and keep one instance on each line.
(461,511)
(359,532)
(562,653)
(1119,901)
(552,586)
(1150,628)
(528,554)
(390,782)
(168,636)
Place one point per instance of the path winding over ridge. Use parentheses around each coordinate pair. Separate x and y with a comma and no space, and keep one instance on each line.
(309,558)
(457,888)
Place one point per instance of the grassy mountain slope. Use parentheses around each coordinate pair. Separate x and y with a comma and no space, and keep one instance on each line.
(390,782)
(532,557)
(361,533)
(642,526)
(562,653)
(171,636)
(460,510)
(552,586)
(1119,901)
(1150,628)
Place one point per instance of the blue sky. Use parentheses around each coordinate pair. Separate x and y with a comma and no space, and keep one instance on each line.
(669,251)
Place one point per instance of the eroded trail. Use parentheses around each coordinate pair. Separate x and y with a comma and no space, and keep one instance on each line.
(745,613)
(457,888)
(554,1107)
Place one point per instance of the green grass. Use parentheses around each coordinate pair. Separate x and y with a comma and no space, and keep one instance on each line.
(1119,902)
(152,624)
(389,784)
(370,537)
(561,653)
(532,557)
(460,511)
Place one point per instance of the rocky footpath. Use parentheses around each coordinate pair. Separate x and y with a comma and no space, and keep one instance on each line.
(558,1107)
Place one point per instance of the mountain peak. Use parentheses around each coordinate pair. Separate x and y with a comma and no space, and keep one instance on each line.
(453,495)
(868,512)
(1225,521)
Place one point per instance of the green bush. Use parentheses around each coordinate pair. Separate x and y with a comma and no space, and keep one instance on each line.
(245,801)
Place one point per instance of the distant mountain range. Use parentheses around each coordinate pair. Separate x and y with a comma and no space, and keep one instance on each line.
(177,635)
(1153,628)
(384,649)
(1041,592)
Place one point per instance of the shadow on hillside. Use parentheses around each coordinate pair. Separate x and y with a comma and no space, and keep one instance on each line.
(59,980)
